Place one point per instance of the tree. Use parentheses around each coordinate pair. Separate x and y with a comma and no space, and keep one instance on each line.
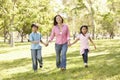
(19,15)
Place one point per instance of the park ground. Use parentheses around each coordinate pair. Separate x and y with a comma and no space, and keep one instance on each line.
(104,63)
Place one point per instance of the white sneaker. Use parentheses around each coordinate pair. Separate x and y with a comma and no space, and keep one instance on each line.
(86,65)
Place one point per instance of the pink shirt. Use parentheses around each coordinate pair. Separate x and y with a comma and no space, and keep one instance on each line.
(61,37)
(84,44)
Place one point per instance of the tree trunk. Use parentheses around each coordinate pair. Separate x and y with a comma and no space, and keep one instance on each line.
(11,40)
(111,35)
(74,36)
(47,37)
(22,35)
(11,25)
(93,27)
(11,33)
(4,34)
(5,31)
(89,4)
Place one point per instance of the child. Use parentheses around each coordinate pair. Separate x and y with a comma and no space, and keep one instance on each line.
(35,39)
(84,45)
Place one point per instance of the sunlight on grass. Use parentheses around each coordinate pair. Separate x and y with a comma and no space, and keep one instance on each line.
(9,72)
(116,77)
(98,53)
(103,63)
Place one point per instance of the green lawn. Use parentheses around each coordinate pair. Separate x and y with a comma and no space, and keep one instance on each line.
(104,63)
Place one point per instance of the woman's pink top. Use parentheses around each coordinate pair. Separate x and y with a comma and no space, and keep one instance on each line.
(61,37)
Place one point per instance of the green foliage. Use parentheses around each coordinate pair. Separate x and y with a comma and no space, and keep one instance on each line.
(25,13)
(20,14)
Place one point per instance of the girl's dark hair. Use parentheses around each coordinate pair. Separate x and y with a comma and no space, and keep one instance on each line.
(55,22)
(82,27)
(34,25)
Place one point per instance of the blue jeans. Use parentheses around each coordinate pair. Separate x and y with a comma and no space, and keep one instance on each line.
(61,50)
(36,57)
(85,55)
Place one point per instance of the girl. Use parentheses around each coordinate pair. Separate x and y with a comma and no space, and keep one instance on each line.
(84,36)
(61,32)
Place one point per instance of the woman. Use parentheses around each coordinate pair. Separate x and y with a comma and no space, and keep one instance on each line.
(61,32)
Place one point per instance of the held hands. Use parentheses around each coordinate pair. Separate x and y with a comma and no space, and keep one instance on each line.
(47,44)
(69,44)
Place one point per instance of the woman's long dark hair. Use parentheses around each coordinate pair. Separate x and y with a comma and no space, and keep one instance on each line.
(82,27)
(55,22)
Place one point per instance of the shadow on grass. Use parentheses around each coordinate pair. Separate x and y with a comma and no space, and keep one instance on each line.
(2,45)
(101,67)
(7,51)
(21,44)
(15,63)
(7,47)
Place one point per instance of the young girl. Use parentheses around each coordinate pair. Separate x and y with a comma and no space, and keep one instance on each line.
(84,36)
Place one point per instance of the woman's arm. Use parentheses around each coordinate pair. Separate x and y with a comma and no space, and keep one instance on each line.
(51,36)
(92,42)
(68,36)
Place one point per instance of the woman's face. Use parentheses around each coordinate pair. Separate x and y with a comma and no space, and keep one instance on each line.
(84,30)
(59,19)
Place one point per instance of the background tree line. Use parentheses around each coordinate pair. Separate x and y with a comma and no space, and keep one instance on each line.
(102,16)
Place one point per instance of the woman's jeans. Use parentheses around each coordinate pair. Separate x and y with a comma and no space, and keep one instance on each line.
(61,50)
(36,57)
(85,55)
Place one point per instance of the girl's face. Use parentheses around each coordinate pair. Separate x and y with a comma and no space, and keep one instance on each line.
(58,19)
(84,30)
(34,29)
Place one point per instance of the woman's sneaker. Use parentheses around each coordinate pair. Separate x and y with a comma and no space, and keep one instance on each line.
(41,66)
(63,69)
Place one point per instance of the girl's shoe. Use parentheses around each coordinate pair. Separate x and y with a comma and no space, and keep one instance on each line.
(86,65)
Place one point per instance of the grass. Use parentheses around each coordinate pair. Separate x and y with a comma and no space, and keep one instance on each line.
(104,64)
(5,47)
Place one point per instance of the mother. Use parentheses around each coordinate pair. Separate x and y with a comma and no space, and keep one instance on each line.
(61,32)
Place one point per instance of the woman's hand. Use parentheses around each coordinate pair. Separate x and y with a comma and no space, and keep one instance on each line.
(69,44)
(47,44)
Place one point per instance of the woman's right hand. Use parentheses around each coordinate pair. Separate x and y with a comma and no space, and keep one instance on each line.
(69,44)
